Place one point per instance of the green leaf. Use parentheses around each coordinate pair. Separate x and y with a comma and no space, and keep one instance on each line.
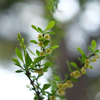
(19,54)
(91,67)
(84,57)
(97,51)
(16,62)
(34,27)
(38,59)
(48,64)
(74,65)
(56,78)
(80,59)
(40,30)
(50,25)
(80,50)
(31,52)
(46,42)
(93,44)
(51,32)
(41,39)
(28,60)
(33,41)
(69,67)
(46,86)
(45,68)
(54,86)
(54,47)
(37,52)
(73,79)
(91,49)
(19,71)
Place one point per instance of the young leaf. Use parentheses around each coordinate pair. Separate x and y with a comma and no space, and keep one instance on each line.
(46,42)
(91,49)
(19,54)
(54,47)
(51,32)
(69,67)
(74,65)
(97,51)
(93,44)
(54,86)
(56,78)
(83,57)
(16,62)
(46,86)
(37,52)
(19,71)
(50,25)
(91,67)
(38,59)
(80,50)
(28,60)
(31,52)
(34,27)
(48,64)
(41,39)
(45,68)
(40,30)
(33,41)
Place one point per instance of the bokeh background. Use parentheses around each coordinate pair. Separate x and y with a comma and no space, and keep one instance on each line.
(77,24)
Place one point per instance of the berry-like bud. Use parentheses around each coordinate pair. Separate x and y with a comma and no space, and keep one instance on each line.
(39,36)
(40,44)
(61,92)
(42,53)
(47,36)
(52,98)
(48,51)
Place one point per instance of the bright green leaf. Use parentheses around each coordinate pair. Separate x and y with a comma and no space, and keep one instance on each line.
(50,25)
(46,86)
(69,67)
(97,51)
(41,39)
(40,30)
(80,50)
(51,32)
(56,78)
(19,71)
(46,42)
(45,68)
(38,59)
(19,54)
(93,44)
(34,27)
(48,64)
(28,60)
(91,49)
(31,52)
(54,47)
(37,52)
(91,67)
(16,62)
(74,65)
(33,41)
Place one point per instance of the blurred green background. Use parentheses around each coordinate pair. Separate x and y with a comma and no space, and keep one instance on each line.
(77,24)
